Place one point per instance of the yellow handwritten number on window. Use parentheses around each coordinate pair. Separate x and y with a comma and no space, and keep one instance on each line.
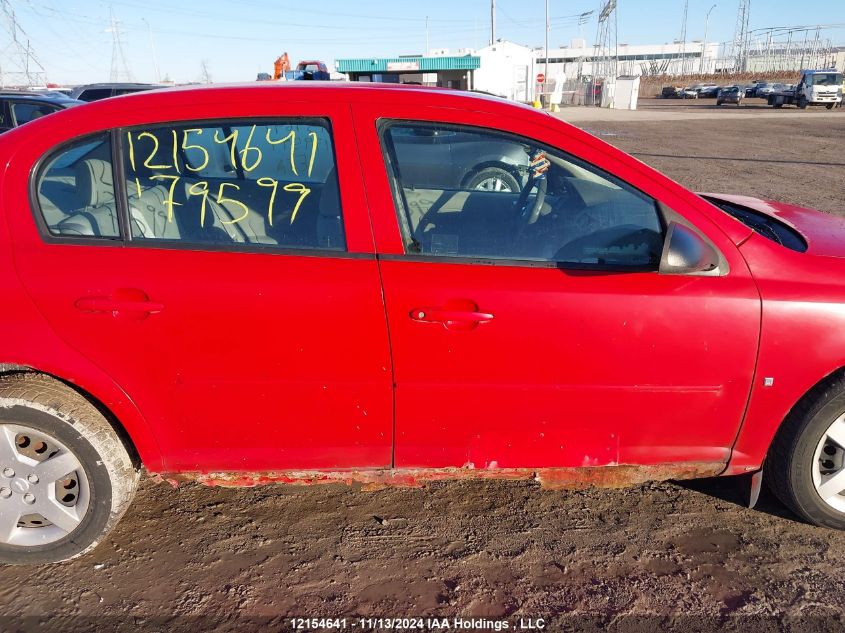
(302,190)
(274,186)
(222,200)
(186,147)
(291,136)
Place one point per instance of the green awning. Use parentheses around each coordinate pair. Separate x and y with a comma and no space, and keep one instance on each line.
(407,64)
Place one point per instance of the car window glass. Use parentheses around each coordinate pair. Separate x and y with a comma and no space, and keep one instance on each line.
(272,184)
(76,190)
(94,94)
(26,112)
(471,192)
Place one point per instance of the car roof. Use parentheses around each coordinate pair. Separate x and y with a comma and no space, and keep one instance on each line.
(107,84)
(318,91)
(51,97)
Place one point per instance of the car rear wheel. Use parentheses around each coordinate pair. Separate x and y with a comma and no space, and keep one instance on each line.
(65,476)
(493,179)
(805,466)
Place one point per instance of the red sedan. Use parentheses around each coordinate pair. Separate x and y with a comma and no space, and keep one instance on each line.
(391,285)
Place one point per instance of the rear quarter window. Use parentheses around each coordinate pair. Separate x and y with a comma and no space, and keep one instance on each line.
(75,190)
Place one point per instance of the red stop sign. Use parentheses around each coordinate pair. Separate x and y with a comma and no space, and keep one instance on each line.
(540,78)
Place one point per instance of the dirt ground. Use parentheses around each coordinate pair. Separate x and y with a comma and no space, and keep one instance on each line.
(655,557)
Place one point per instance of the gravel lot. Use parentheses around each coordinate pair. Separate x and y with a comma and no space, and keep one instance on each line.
(654,557)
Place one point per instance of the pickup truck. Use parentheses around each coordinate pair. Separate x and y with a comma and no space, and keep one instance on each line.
(816,87)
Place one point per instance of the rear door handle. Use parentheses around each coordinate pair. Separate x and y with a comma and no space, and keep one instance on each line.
(122,302)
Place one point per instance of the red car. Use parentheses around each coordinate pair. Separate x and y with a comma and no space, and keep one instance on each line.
(244,284)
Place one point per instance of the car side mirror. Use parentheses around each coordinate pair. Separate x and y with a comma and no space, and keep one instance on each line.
(685,252)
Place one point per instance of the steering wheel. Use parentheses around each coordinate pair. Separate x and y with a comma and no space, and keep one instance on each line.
(529,211)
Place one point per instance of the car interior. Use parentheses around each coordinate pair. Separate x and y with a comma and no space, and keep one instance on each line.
(77,198)
(569,213)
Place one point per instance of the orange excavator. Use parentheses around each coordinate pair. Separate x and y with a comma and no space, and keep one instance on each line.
(281,66)
(307,70)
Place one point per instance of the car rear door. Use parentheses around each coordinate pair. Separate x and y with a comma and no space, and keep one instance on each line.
(507,355)
(250,333)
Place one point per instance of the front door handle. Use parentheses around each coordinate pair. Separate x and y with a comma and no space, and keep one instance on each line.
(126,302)
(457,314)
(440,315)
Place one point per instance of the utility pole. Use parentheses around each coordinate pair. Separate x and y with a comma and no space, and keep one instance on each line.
(546,72)
(704,43)
(684,39)
(153,49)
(492,22)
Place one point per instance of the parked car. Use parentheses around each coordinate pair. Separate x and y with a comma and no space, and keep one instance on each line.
(708,91)
(730,94)
(456,160)
(751,89)
(17,108)
(95,92)
(670,92)
(687,93)
(764,90)
(266,293)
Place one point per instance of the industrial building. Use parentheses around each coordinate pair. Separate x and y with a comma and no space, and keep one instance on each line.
(437,69)
(510,70)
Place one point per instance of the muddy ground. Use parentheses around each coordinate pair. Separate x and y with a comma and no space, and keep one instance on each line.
(655,557)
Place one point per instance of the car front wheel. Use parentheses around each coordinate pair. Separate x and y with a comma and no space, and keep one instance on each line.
(805,466)
(65,476)
(493,179)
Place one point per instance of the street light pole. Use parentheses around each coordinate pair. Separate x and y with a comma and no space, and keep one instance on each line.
(492,22)
(704,43)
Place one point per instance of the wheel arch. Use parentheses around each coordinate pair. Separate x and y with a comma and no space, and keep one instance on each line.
(113,404)
(753,444)
(509,168)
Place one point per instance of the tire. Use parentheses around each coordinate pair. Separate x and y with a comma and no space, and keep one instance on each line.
(796,456)
(829,106)
(802,103)
(40,413)
(718,103)
(489,178)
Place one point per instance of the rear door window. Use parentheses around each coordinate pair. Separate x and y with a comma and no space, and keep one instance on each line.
(270,183)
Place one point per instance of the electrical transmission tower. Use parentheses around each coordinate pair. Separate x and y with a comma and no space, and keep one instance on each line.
(18,64)
(605,57)
(740,45)
(119,66)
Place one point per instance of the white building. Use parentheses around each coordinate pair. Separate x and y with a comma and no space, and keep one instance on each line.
(647,59)
(506,70)
(510,70)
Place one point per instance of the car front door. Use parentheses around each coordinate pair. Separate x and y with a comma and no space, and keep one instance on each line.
(243,315)
(535,330)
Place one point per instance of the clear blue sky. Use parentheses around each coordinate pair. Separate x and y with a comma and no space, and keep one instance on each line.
(239,38)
